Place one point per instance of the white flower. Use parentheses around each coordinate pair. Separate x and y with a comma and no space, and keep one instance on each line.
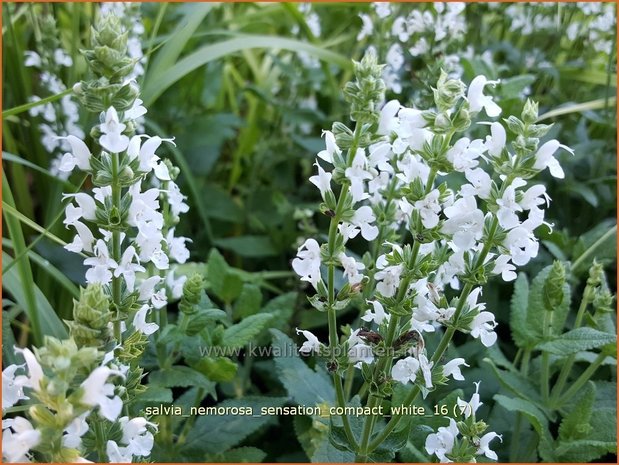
(387,121)
(175,285)
(86,207)
(140,324)
(101,265)
(388,278)
(411,168)
(482,327)
(405,370)
(508,206)
(83,240)
(116,454)
(35,372)
(484,445)
(136,111)
(442,442)
(79,157)
(504,268)
(74,432)
(147,288)
(98,392)
(138,439)
(465,223)
(311,345)
(362,220)
(18,437)
(522,245)
(176,199)
(356,174)
(382,9)
(426,369)
(146,154)
(378,316)
(395,57)
(495,142)
(544,158)
(322,181)
(534,196)
(307,262)
(470,408)
(428,209)
(480,184)
(112,139)
(127,268)
(144,207)
(477,99)
(366,28)
(351,268)
(331,147)
(176,247)
(62,58)
(149,241)
(464,154)
(452,368)
(13,386)
(400,29)
(358,351)
(32,59)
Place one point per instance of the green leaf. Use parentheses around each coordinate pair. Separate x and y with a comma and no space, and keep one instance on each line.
(13,283)
(518,315)
(220,279)
(536,308)
(241,455)
(520,386)
(168,54)
(160,82)
(202,317)
(155,395)
(249,301)
(218,369)
(179,376)
(537,420)
(512,87)
(575,425)
(577,340)
(241,333)
(306,386)
(281,307)
(248,246)
(214,434)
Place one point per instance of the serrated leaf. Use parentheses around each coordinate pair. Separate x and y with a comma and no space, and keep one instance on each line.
(179,376)
(241,455)
(155,394)
(537,420)
(577,340)
(240,334)
(249,301)
(214,434)
(575,425)
(203,317)
(306,386)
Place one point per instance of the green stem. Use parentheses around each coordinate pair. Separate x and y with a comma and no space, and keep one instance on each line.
(566,369)
(332,317)
(116,251)
(582,379)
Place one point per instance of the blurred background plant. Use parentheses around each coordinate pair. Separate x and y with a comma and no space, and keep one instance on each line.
(246,88)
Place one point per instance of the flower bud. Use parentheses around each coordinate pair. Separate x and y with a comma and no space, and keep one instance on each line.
(192,293)
(91,315)
(530,111)
(553,286)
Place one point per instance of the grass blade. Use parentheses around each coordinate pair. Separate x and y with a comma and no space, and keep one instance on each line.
(155,87)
